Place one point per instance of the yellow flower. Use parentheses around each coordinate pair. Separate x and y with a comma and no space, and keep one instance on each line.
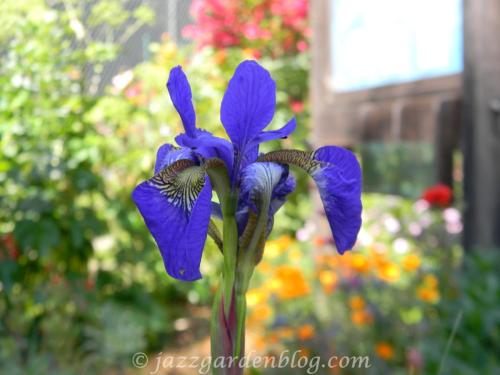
(272,250)
(285,242)
(276,247)
(411,262)
(289,282)
(388,271)
(384,350)
(357,303)
(306,332)
(328,280)
(295,255)
(256,296)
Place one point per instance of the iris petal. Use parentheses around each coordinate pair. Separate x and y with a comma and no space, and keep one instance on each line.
(180,94)
(176,207)
(270,135)
(208,146)
(337,174)
(266,178)
(249,103)
(167,154)
(339,184)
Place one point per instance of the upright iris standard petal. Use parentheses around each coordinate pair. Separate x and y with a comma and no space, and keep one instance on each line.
(249,103)
(337,174)
(180,93)
(200,141)
(176,207)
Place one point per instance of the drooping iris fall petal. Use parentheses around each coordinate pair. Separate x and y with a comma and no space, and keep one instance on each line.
(176,206)
(337,174)
(339,184)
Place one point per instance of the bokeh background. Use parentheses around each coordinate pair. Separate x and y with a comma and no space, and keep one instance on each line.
(83,109)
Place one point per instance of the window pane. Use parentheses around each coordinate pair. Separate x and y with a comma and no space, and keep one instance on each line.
(390,41)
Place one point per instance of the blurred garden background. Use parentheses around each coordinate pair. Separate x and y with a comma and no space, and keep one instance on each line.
(83,109)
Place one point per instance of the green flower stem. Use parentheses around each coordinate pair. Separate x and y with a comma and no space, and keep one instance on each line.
(216,342)
(230,248)
(246,267)
(241,311)
(228,200)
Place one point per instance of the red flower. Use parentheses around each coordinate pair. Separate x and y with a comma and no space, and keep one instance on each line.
(439,195)
(10,245)
(297,106)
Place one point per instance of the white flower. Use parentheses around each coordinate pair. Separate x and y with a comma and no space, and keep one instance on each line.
(391,224)
(401,245)
(452,216)
(122,80)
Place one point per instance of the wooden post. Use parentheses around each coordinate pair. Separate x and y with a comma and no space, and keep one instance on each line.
(482,123)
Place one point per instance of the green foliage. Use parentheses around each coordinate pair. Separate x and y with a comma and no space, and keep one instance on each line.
(82,282)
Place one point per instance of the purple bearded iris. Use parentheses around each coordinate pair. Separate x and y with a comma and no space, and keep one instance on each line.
(176,203)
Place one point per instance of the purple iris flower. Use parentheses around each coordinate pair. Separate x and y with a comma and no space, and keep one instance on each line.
(176,203)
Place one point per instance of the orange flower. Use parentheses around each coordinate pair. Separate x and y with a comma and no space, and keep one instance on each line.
(328,280)
(273,338)
(260,313)
(428,290)
(285,333)
(220,56)
(264,267)
(289,282)
(427,294)
(388,272)
(306,332)
(320,241)
(328,260)
(304,352)
(357,303)
(360,263)
(361,317)
(431,281)
(260,342)
(384,350)
(411,262)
